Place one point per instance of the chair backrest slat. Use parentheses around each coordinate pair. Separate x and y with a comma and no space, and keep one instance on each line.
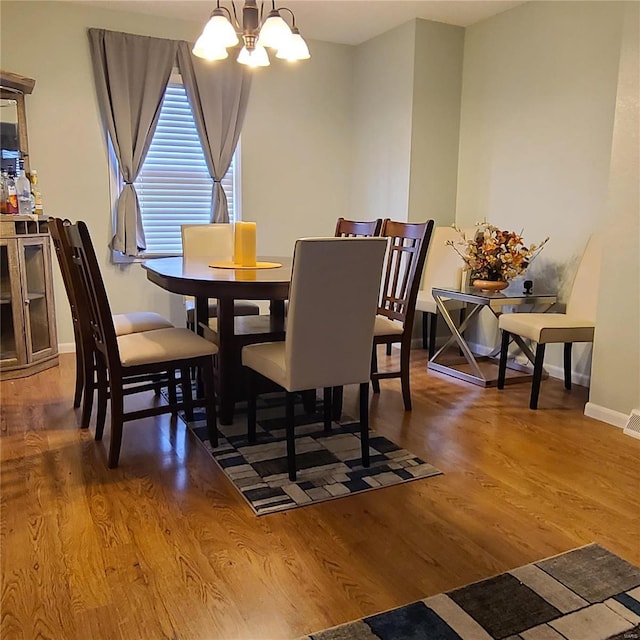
(408,247)
(358,229)
(332,309)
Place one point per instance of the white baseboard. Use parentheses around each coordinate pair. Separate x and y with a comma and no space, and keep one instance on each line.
(67,347)
(603,414)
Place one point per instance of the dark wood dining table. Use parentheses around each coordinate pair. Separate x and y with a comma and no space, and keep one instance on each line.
(230,333)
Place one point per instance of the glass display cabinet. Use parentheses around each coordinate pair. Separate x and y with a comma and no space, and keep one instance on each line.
(28,340)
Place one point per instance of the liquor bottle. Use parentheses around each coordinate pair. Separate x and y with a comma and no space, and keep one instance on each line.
(12,194)
(35,192)
(3,192)
(23,190)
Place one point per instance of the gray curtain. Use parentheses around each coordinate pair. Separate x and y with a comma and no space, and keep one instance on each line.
(131,74)
(218,94)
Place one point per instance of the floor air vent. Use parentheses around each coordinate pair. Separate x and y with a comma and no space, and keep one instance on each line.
(632,428)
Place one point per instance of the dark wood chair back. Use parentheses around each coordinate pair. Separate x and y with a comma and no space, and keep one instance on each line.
(353,228)
(405,261)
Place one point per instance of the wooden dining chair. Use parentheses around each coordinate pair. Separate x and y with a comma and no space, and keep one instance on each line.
(124,323)
(135,356)
(408,244)
(208,243)
(356,229)
(323,349)
(578,324)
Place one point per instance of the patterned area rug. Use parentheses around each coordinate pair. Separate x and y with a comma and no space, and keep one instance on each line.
(328,465)
(584,594)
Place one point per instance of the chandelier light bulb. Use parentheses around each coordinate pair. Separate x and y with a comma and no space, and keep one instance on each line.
(275,32)
(256,57)
(207,50)
(295,49)
(220,30)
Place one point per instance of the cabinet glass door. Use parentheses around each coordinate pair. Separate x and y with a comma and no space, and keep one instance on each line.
(8,348)
(36,309)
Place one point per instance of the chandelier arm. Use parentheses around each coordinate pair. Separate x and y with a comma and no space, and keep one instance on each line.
(293,17)
(235,22)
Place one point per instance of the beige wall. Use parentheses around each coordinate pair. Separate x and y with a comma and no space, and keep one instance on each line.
(383,93)
(435,122)
(538,100)
(615,381)
(302,115)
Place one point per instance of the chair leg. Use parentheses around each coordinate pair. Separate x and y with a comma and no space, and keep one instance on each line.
(210,395)
(251,405)
(433,330)
(88,370)
(327,409)
(337,394)
(567,364)
(405,355)
(537,376)
(504,353)
(77,396)
(291,437)
(425,330)
(103,394)
(173,399)
(117,419)
(375,383)
(187,395)
(364,423)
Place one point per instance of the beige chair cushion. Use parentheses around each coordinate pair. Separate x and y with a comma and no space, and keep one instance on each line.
(125,323)
(162,345)
(548,327)
(240,308)
(384,327)
(268,359)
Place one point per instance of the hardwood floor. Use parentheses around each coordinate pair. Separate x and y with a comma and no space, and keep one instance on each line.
(164,547)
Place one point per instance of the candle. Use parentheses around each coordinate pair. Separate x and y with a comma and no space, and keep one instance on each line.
(245,244)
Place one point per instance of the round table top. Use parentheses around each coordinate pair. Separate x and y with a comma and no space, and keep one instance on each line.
(197,278)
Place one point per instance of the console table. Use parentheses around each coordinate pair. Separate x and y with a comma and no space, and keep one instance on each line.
(469,367)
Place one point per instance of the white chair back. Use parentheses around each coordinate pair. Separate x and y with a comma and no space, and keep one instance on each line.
(583,301)
(207,242)
(332,308)
(443,267)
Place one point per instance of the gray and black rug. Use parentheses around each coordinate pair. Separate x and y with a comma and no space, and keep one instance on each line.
(585,594)
(328,464)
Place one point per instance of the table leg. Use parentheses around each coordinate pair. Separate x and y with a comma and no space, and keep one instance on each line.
(226,362)
(201,314)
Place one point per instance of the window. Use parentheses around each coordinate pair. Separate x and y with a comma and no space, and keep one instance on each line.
(174,186)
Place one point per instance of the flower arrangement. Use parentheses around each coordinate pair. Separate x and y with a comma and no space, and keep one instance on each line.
(494,254)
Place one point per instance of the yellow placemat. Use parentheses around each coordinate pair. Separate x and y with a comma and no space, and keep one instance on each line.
(234,265)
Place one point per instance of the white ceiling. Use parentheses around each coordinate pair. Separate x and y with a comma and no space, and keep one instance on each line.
(340,21)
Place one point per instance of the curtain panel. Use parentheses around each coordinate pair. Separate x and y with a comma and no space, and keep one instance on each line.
(131,74)
(218,96)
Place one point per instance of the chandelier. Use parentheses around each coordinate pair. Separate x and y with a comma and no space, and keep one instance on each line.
(224,30)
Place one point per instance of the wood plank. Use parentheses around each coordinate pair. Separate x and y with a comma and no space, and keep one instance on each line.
(164,546)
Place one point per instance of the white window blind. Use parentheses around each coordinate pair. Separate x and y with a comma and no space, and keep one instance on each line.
(174,186)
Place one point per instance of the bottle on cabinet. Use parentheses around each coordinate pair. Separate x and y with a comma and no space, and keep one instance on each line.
(12,194)
(3,192)
(36,195)
(23,190)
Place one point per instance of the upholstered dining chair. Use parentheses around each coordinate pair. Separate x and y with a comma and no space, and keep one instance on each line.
(578,324)
(396,309)
(323,349)
(211,242)
(135,356)
(443,268)
(124,323)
